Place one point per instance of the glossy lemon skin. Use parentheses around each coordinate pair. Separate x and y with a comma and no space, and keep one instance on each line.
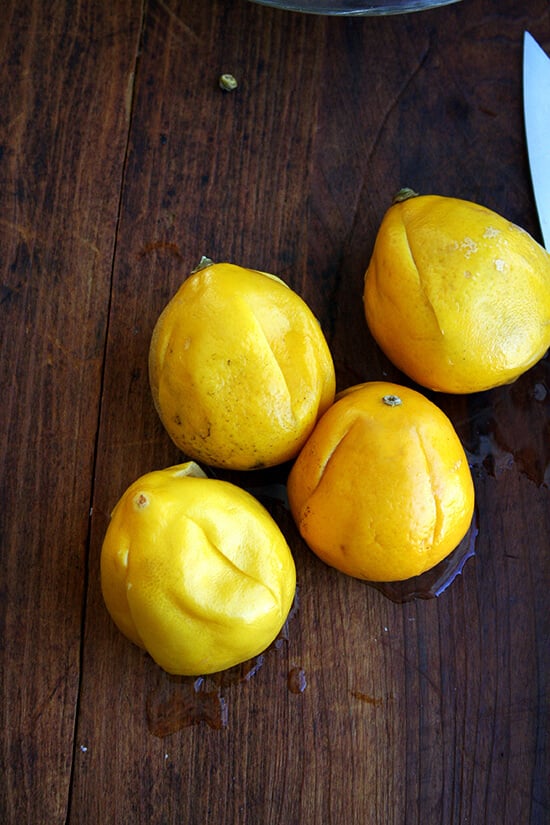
(382,491)
(239,368)
(195,571)
(457,296)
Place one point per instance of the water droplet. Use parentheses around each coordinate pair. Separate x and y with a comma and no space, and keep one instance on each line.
(297,681)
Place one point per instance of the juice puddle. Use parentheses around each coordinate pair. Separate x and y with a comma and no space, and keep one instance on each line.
(433,582)
(509,428)
(297,681)
(183,701)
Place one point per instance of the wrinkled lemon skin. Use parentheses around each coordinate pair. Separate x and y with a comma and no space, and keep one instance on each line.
(195,571)
(382,491)
(239,368)
(456,296)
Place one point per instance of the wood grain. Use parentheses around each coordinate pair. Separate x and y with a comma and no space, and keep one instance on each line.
(121,163)
(64,132)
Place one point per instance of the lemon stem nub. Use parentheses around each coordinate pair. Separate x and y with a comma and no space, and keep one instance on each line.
(392,400)
(202,264)
(190,468)
(404,195)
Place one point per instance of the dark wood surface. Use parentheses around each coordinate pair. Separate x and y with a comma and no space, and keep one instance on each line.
(121,163)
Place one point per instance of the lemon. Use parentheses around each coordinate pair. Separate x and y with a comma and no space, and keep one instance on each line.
(382,490)
(239,368)
(195,571)
(457,296)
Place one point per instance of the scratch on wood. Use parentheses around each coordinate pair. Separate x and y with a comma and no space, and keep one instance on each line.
(129,96)
(90,244)
(35,718)
(30,236)
(173,16)
(21,229)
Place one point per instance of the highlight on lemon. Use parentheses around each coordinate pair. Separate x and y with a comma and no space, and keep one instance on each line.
(239,368)
(195,571)
(456,296)
(382,490)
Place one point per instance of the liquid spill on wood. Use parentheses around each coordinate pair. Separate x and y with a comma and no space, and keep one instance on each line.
(297,681)
(433,582)
(183,701)
(367,699)
(498,440)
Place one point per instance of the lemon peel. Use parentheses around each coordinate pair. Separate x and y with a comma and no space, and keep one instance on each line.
(198,574)
(382,491)
(239,368)
(457,296)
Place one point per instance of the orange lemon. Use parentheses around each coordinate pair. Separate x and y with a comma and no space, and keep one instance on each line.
(195,571)
(457,296)
(239,368)
(382,489)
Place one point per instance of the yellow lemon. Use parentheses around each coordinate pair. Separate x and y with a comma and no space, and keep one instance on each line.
(382,489)
(195,571)
(239,368)
(457,296)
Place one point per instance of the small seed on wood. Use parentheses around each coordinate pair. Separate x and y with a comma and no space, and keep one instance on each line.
(227,82)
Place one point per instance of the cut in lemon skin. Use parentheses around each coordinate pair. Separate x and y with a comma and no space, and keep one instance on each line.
(195,571)
(457,296)
(239,368)
(382,490)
